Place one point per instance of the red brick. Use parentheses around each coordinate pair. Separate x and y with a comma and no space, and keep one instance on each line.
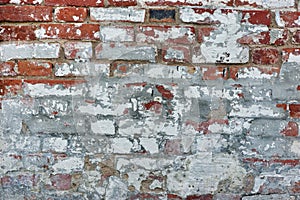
(122,3)
(10,86)
(214,72)
(291,162)
(288,52)
(26,13)
(290,18)
(204,32)
(291,129)
(294,110)
(61,181)
(200,197)
(166,34)
(154,106)
(173,3)
(7,68)
(98,3)
(79,50)
(34,68)
(236,71)
(71,31)
(4,1)
(27,180)
(264,38)
(259,17)
(70,14)
(298,87)
(9,33)
(296,37)
(265,56)
(173,197)
(176,54)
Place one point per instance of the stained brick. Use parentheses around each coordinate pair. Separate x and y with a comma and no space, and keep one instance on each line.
(170,34)
(265,56)
(70,14)
(291,55)
(288,19)
(7,69)
(61,181)
(26,13)
(176,54)
(80,50)
(69,31)
(274,37)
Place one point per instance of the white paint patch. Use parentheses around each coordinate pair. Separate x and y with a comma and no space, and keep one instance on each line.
(69,165)
(121,145)
(116,34)
(118,14)
(55,144)
(295,148)
(255,73)
(149,144)
(103,127)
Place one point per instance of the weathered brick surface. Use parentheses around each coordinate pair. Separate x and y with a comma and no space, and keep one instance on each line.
(149,99)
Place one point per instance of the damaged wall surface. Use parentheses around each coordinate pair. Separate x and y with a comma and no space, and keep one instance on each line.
(149,99)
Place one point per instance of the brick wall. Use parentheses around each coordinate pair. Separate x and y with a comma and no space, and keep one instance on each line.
(150,99)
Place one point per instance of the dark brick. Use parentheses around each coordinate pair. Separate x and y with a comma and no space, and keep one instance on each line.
(159,15)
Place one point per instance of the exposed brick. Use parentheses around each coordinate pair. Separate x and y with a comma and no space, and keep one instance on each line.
(7,69)
(115,51)
(117,33)
(79,50)
(61,181)
(10,86)
(288,19)
(123,3)
(169,34)
(70,14)
(162,15)
(9,33)
(200,197)
(34,68)
(204,32)
(173,3)
(265,56)
(26,13)
(296,37)
(291,129)
(117,14)
(69,31)
(274,37)
(291,55)
(22,2)
(294,110)
(176,54)
(74,3)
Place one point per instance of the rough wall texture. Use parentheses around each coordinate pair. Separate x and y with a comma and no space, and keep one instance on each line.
(150,99)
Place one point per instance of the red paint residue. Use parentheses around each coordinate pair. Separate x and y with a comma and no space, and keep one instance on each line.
(164,92)
(204,126)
